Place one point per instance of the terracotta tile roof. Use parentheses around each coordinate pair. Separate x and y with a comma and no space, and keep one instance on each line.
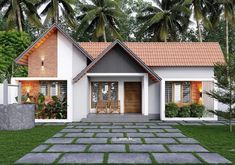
(167,54)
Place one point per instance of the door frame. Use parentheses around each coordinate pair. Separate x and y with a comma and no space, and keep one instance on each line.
(140,82)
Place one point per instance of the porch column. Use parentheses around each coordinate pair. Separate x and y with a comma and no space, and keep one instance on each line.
(121,95)
(162,100)
(145,95)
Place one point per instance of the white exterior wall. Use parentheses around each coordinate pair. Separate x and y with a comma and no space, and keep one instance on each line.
(154,98)
(64,57)
(182,74)
(12,93)
(71,61)
(79,62)
(81,99)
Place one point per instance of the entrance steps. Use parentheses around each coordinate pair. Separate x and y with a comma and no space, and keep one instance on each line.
(115,118)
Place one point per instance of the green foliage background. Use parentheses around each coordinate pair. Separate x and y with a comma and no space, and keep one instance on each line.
(12,43)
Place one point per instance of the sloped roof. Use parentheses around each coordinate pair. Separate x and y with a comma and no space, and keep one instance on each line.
(148,70)
(23,57)
(167,54)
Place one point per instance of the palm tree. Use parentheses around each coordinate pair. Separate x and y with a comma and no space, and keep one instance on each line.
(16,10)
(167,18)
(53,7)
(100,17)
(205,12)
(228,13)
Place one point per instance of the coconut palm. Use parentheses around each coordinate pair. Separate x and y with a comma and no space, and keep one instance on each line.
(206,13)
(100,17)
(228,14)
(167,19)
(53,7)
(16,11)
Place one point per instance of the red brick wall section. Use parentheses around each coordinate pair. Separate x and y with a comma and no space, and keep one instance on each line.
(195,91)
(48,52)
(33,87)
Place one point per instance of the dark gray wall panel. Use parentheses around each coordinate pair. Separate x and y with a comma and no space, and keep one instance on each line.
(117,60)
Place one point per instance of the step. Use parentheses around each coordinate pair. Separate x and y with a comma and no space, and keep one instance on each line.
(115,118)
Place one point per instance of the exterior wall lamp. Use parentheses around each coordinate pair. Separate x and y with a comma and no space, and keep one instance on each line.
(42,63)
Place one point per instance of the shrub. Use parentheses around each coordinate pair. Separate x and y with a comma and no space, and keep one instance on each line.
(184,111)
(197,110)
(171,110)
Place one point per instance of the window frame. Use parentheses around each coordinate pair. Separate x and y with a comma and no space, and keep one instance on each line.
(181,92)
(100,96)
(48,84)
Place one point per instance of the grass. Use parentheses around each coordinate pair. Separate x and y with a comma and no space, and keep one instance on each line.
(15,144)
(214,138)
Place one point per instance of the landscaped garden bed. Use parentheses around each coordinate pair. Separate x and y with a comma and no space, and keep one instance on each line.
(172,110)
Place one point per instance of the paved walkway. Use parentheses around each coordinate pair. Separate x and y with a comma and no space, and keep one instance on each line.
(129,143)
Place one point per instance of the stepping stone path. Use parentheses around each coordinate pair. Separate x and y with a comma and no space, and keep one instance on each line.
(122,143)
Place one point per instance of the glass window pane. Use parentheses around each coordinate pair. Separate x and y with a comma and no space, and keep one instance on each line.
(94,94)
(113,91)
(63,88)
(53,88)
(177,92)
(43,88)
(168,92)
(186,92)
(105,89)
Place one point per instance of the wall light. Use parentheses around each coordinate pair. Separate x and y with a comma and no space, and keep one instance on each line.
(28,89)
(42,63)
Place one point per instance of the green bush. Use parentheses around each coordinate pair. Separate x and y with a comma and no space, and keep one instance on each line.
(184,111)
(171,110)
(197,110)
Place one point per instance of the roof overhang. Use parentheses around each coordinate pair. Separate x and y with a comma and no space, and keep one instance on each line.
(22,59)
(151,73)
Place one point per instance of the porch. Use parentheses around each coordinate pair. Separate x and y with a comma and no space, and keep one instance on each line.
(128,90)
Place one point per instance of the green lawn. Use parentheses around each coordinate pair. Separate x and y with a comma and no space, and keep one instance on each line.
(214,138)
(14,144)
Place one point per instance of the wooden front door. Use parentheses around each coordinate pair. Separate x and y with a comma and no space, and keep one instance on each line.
(132,100)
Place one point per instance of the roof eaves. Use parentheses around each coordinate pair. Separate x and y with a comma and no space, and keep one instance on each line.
(34,43)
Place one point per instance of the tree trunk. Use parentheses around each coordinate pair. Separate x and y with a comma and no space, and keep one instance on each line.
(165,39)
(227,39)
(19,21)
(199,31)
(230,125)
(104,35)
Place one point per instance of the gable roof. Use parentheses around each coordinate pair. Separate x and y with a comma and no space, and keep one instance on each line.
(167,54)
(151,73)
(23,57)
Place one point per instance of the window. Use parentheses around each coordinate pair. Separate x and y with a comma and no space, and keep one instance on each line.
(186,92)
(105,91)
(53,88)
(113,91)
(43,88)
(168,92)
(63,88)
(178,92)
(94,93)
